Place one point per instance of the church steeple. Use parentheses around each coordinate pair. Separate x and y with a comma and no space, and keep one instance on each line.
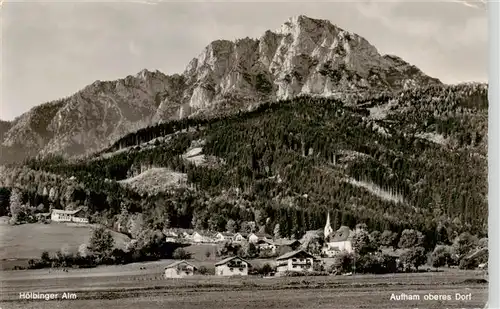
(328,229)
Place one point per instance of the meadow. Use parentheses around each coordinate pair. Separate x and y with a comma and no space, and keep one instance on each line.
(141,285)
(19,243)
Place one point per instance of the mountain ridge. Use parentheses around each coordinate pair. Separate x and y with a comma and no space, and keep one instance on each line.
(304,56)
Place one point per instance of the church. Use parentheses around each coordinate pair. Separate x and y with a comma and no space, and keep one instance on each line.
(337,241)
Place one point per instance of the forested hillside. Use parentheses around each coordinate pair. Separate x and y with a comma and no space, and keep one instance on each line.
(415,159)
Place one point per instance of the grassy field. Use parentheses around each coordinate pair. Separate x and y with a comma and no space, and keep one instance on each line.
(26,241)
(141,285)
(128,286)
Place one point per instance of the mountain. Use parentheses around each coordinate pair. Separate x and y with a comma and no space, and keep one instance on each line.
(304,56)
(413,159)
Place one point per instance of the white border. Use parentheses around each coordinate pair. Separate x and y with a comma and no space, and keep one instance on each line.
(493,155)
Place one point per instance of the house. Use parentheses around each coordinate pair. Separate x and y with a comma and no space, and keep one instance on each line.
(224,236)
(254,237)
(298,260)
(197,237)
(77,216)
(210,237)
(238,237)
(43,216)
(187,235)
(232,266)
(171,233)
(286,245)
(171,236)
(180,269)
(266,245)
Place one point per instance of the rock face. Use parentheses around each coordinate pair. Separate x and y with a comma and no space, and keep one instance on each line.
(4,127)
(304,56)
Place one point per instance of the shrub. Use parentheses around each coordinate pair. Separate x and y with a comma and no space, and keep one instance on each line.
(414,257)
(441,256)
(181,254)
(45,256)
(203,270)
(101,241)
(267,253)
(265,269)
(369,264)
(304,273)
(464,244)
(228,248)
(343,263)
(319,266)
(468,263)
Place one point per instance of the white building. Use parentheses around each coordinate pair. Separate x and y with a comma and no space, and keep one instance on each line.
(338,242)
(266,245)
(59,215)
(238,237)
(171,236)
(298,260)
(224,236)
(255,237)
(232,266)
(197,237)
(180,269)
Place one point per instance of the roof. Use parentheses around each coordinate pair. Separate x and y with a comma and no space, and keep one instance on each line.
(226,260)
(174,264)
(342,234)
(477,253)
(262,235)
(291,254)
(265,241)
(226,234)
(286,242)
(67,212)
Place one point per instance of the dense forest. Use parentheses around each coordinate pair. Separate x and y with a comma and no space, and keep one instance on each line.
(414,159)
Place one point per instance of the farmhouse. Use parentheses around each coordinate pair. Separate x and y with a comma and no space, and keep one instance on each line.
(180,269)
(266,245)
(255,237)
(171,233)
(286,245)
(238,237)
(232,266)
(200,237)
(187,235)
(59,215)
(171,236)
(298,260)
(43,216)
(224,236)
(197,237)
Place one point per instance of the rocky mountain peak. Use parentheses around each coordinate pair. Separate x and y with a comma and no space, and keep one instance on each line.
(304,56)
(303,24)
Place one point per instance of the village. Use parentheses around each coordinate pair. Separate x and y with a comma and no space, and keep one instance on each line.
(290,255)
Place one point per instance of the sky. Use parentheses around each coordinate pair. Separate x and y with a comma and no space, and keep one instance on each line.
(50,50)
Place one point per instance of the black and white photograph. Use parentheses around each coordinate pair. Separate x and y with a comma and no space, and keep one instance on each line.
(191,155)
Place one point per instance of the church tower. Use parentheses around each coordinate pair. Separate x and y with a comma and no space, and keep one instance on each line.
(328,229)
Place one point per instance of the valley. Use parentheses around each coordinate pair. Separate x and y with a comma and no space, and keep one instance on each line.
(123,287)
